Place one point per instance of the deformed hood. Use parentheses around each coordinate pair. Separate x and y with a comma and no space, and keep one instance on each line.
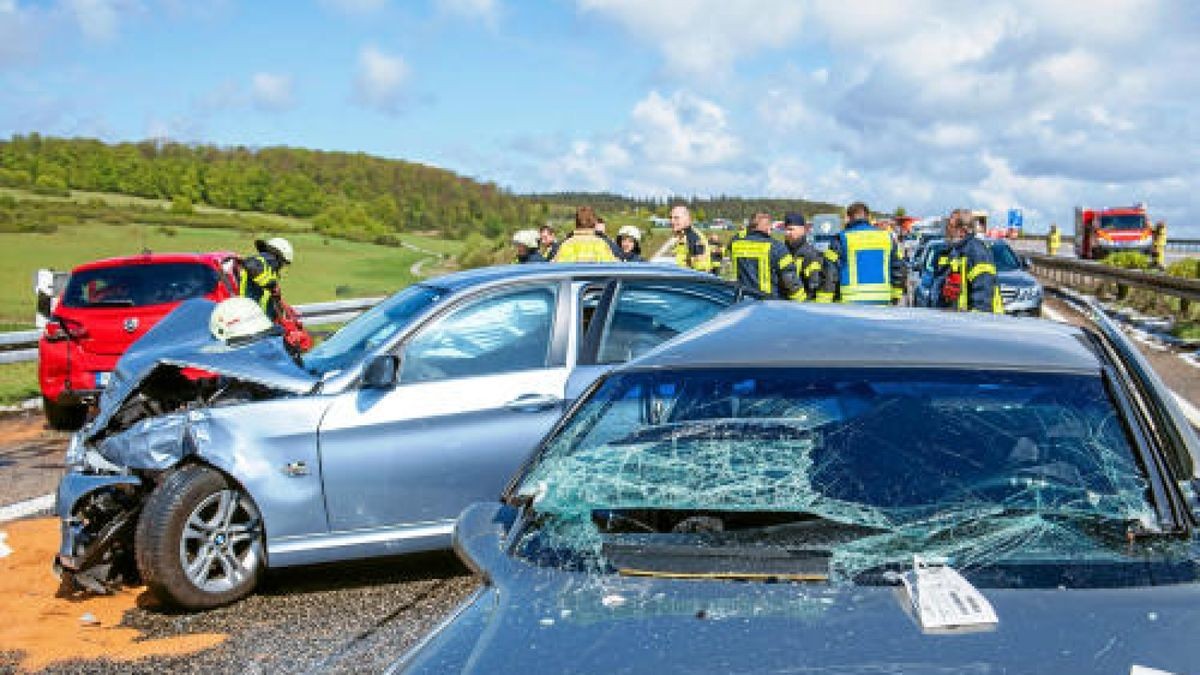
(182,339)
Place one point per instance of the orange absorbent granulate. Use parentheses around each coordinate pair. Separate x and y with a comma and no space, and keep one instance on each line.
(44,628)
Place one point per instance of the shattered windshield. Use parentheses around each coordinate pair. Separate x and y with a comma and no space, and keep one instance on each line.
(1006,259)
(837,470)
(371,329)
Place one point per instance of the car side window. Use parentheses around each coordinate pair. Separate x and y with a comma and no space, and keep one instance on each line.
(646,315)
(499,333)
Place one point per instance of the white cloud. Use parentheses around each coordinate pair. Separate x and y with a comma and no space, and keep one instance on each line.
(670,145)
(486,11)
(380,82)
(272,92)
(98,20)
(702,38)
(358,7)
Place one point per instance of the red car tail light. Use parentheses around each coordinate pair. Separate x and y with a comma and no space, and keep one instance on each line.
(60,329)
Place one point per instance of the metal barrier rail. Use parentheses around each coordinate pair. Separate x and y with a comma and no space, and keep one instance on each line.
(20,346)
(1076,272)
(1173,243)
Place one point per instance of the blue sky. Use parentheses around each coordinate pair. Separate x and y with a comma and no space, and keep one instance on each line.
(929,104)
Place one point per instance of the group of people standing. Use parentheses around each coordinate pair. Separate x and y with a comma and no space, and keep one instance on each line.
(588,242)
(864,264)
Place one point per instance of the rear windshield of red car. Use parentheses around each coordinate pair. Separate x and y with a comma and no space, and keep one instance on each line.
(139,285)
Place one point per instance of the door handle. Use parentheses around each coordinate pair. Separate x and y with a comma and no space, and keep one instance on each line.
(533,402)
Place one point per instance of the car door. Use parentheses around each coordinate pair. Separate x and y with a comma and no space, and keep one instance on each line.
(477,388)
(637,315)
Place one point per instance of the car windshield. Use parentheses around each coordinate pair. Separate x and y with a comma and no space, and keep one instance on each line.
(371,329)
(1006,259)
(139,285)
(1125,222)
(855,469)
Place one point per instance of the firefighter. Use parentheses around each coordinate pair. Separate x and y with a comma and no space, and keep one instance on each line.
(969,280)
(1160,245)
(716,254)
(547,242)
(862,265)
(1053,240)
(691,250)
(526,243)
(763,263)
(808,259)
(583,244)
(258,277)
(629,241)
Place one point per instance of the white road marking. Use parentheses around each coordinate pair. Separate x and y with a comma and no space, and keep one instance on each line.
(1189,411)
(26,508)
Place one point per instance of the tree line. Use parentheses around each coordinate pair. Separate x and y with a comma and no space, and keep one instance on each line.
(347,195)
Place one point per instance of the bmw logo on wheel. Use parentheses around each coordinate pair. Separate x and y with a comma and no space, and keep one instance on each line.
(130,324)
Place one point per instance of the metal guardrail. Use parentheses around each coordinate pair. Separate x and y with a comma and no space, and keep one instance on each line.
(21,346)
(1173,243)
(1078,273)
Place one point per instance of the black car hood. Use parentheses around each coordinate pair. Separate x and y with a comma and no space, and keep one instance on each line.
(563,622)
(183,339)
(532,618)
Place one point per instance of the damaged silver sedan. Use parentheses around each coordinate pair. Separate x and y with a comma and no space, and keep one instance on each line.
(211,461)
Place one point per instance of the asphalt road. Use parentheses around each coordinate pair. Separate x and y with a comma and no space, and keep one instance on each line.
(1067,251)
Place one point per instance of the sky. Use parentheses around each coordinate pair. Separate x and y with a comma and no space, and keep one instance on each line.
(926,104)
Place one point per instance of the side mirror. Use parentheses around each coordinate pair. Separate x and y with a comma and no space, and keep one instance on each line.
(381,372)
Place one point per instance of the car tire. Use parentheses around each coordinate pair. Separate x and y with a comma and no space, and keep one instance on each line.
(64,417)
(199,539)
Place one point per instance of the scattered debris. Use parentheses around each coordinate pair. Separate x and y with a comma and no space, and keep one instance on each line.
(89,619)
(4,549)
(613,600)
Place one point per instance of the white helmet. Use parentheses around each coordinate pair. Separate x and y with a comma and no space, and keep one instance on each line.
(277,245)
(526,238)
(237,318)
(630,231)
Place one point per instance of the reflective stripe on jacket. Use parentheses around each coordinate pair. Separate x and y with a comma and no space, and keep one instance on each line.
(257,277)
(691,251)
(808,261)
(862,265)
(763,263)
(973,260)
(584,246)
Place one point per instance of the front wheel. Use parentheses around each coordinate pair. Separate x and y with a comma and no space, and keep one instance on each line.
(199,540)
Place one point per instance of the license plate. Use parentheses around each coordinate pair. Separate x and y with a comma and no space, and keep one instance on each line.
(102,379)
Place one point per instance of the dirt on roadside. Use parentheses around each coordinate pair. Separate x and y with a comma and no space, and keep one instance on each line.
(43,625)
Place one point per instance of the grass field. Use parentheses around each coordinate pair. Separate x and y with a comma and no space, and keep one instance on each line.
(325,269)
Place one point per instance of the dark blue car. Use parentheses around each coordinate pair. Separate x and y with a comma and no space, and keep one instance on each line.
(867,491)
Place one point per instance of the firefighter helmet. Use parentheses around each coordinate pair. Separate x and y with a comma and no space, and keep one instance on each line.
(237,318)
(630,231)
(526,238)
(277,245)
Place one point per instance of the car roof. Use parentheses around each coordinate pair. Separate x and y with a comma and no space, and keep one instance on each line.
(778,333)
(486,275)
(210,258)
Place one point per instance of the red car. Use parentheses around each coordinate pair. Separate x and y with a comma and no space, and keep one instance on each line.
(105,307)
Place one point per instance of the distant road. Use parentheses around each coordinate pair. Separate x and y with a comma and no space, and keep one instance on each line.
(1067,251)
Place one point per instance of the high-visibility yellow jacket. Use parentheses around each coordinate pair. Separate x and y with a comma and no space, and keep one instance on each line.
(762,263)
(862,266)
(258,277)
(584,246)
(972,260)
(692,251)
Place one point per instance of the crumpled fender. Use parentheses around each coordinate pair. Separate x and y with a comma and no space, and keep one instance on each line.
(75,486)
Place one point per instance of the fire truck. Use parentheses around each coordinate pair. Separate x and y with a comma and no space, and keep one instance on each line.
(1099,232)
